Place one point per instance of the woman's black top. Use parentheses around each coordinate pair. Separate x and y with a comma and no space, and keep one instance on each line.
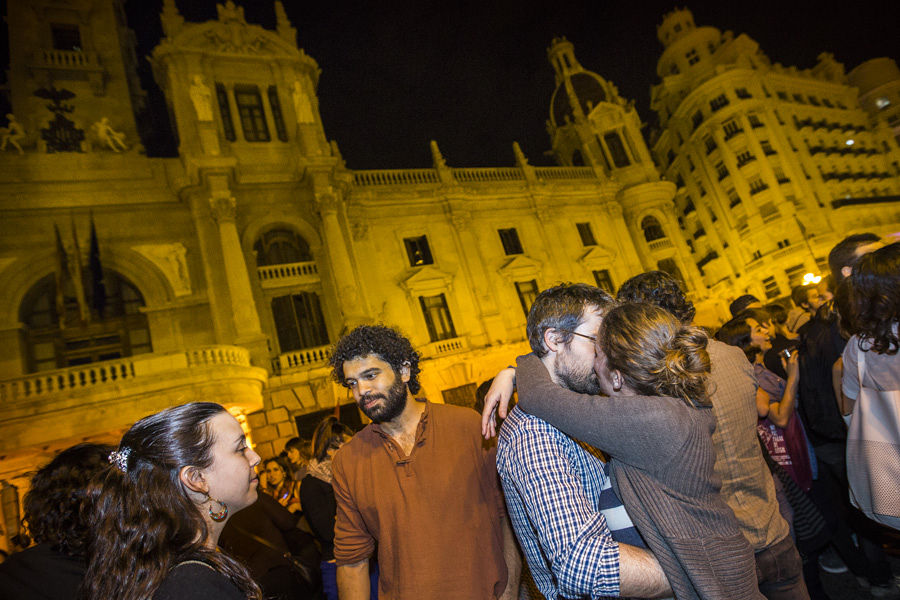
(195,580)
(319,506)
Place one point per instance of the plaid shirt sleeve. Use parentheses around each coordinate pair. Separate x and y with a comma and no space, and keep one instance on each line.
(545,499)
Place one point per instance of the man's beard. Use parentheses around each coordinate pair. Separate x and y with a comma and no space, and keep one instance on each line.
(578,378)
(391,406)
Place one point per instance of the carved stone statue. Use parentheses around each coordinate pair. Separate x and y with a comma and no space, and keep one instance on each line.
(114,140)
(302,106)
(202,99)
(12,133)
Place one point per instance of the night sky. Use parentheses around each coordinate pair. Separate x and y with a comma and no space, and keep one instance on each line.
(474,75)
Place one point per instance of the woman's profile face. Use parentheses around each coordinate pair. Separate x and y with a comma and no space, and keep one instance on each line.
(232,475)
(274,474)
(759,335)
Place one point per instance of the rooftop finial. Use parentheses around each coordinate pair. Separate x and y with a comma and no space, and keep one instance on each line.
(283,24)
(171,19)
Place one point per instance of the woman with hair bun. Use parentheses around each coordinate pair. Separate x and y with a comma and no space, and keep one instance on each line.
(656,425)
(159,508)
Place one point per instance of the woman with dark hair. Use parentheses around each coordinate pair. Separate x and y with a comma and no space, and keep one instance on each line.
(657,426)
(778,426)
(871,361)
(280,484)
(158,510)
(54,568)
(318,498)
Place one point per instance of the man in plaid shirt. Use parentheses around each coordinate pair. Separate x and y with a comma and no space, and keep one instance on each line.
(573,529)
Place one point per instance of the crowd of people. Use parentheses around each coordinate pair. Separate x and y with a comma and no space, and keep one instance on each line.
(645,457)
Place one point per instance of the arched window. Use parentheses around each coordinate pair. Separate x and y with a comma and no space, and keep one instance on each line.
(652,229)
(281,247)
(57,337)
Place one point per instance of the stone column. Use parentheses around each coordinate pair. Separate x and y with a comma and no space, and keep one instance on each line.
(341,265)
(245,317)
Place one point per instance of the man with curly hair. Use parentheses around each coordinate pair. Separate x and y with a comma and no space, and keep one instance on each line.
(417,484)
(747,485)
(54,568)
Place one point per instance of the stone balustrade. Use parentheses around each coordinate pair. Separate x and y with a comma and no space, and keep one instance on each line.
(560,173)
(94,375)
(67,59)
(489,174)
(393,177)
(288,274)
(302,359)
(445,347)
(660,244)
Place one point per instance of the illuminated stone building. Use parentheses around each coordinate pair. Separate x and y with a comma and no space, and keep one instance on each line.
(773,164)
(228,271)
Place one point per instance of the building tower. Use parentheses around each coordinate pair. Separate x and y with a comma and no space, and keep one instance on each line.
(73,64)
(878,81)
(773,164)
(591,124)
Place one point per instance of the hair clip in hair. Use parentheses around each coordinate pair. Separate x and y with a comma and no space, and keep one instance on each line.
(119,458)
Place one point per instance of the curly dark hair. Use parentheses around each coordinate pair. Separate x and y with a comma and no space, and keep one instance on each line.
(385,343)
(740,304)
(53,504)
(660,289)
(875,299)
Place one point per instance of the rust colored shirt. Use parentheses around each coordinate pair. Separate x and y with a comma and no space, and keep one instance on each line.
(434,516)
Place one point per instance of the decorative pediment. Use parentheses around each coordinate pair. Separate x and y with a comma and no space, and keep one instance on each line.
(521,268)
(427,281)
(231,34)
(598,256)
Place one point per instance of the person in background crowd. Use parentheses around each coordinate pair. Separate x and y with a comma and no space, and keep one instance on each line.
(319,503)
(747,485)
(778,426)
(742,303)
(781,337)
(656,424)
(437,535)
(284,560)
(156,513)
(875,305)
(54,568)
(806,303)
(280,484)
(295,452)
(821,345)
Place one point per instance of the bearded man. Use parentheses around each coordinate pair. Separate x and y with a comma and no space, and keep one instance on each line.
(417,483)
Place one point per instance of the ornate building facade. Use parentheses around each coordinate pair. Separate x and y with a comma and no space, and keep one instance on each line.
(773,164)
(132,283)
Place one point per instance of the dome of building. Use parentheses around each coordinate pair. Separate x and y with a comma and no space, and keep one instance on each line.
(589,89)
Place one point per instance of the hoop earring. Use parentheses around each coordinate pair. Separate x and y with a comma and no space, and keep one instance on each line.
(221,514)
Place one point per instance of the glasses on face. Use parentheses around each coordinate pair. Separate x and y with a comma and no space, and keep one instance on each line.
(593,338)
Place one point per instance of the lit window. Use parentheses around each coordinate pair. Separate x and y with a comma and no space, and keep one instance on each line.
(849,142)
(417,251)
(882,103)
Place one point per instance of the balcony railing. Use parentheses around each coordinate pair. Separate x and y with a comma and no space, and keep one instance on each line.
(396,177)
(660,244)
(288,274)
(557,173)
(67,59)
(445,347)
(302,359)
(489,174)
(115,372)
